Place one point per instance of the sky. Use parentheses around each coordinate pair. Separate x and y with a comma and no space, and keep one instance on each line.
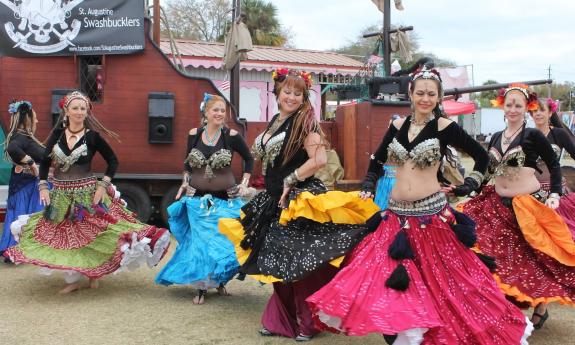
(504,40)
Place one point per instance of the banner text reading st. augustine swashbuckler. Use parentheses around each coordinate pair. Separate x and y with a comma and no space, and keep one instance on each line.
(106,21)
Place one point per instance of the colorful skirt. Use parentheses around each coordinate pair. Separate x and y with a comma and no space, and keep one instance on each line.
(287,245)
(23,199)
(80,238)
(384,186)
(416,280)
(566,207)
(204,258)
(531,244)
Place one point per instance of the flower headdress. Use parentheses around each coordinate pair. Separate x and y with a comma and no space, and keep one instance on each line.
(524,89)
(207,97)
(65,101)
(280,74)
(14,107)
(553,106)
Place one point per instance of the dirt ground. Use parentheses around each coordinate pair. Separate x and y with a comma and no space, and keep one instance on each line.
(129,308)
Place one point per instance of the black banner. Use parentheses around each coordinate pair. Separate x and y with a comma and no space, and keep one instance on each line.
(71,27)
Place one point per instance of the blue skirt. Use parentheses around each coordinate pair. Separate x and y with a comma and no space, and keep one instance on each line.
(204,258)
(23,198)
(384,186)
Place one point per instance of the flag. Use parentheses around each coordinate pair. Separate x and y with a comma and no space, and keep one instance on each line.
(374,59)
(380,4)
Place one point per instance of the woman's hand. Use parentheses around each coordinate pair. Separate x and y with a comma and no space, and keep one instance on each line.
(34,169)
(181,191)
(552,202)
(365,194)
(283,203)
(98,195)
(447,188)
(45,197)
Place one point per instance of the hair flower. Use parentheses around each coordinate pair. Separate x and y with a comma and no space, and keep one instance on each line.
(14,107)
(553,106)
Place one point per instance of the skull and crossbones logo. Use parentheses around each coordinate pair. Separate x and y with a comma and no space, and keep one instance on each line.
(40,21)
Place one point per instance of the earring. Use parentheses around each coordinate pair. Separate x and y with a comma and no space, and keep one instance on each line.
(65,121)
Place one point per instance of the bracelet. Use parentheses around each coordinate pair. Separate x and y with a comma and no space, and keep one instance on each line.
(42,185)
(290,180)
(477,177)
(297,175)
(103,183)
(554,196)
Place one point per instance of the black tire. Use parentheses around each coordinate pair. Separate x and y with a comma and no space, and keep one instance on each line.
(138,200)
(167,199)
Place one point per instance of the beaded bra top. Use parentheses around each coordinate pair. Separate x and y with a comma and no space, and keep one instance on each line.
(423,155)
(269,151)
(217,160)
(64,161)
(507,164)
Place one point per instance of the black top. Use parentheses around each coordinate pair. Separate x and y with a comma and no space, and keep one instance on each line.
(226,141)
(532,144)
(21,145)
(452,135)
(94,143)
(560,137)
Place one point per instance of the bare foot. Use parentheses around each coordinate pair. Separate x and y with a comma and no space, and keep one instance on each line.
(69,288)
(94,283)
(222,291)
(199,299)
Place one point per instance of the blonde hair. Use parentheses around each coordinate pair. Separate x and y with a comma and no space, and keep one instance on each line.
(209,104)
(91,122)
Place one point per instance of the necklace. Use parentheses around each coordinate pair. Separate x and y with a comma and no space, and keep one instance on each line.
(212,141)
(508,139)
(415,127)
(277,124)
(75,132)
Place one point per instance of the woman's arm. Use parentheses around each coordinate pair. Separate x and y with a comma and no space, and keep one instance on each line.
(565,141)
(544,149)
(239,145)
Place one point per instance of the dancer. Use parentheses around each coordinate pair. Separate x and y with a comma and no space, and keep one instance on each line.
(386,181)
(84,230)
(561,138)
(414,279)
(204,257)
(24,151)
(531,244)
(289,232)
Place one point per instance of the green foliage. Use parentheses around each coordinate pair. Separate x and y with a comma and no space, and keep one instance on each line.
(209,20)
(564,92)
(485,97)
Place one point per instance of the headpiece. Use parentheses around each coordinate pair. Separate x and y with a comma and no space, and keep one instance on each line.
(553,106)
(524,89)
(207,97)
(425,73)
(15,107)
(280,74)
(65,101)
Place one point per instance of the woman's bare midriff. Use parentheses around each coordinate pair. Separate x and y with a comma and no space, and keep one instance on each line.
(524,182)
(412,183)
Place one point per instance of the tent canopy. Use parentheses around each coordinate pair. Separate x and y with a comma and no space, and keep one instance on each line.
(452,107)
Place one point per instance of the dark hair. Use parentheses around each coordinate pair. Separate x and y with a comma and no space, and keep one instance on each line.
(437,113)
(18,119)
(554,120)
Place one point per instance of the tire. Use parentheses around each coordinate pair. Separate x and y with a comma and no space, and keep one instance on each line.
(138,200)
(167,199)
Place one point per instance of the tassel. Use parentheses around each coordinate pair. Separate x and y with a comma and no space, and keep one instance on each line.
(48,212)
(389,339)
(70,212)
(400,248)
(399,279)
(373,222)
(464,229)
(488,261)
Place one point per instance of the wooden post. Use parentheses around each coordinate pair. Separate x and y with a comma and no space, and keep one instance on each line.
(235,72)
(386,40)
(156,23)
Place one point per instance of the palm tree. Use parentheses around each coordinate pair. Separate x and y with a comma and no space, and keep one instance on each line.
(262,22)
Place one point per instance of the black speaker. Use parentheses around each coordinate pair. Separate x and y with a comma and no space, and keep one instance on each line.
(160,117)
(57,95)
